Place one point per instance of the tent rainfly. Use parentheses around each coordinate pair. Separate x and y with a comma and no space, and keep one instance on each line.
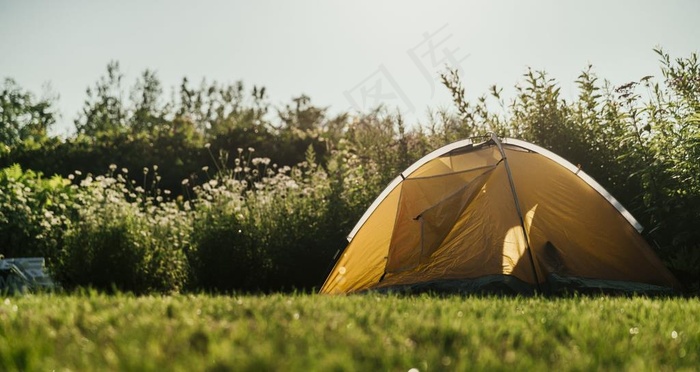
(501,215)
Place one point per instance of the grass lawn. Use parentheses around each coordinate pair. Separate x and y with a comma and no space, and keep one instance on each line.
(363,332)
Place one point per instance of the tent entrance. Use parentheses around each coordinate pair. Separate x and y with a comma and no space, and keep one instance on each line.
(426,217)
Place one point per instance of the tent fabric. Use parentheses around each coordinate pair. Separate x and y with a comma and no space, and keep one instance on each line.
(493,209)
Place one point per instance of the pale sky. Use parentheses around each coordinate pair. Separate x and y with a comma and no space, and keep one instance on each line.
(344,55)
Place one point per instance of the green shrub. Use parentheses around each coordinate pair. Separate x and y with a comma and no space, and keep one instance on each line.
(222,257)
(33,213)
(124,238)
(262,227)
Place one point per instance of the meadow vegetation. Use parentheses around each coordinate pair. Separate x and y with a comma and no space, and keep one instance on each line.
(217,190)
(363,332)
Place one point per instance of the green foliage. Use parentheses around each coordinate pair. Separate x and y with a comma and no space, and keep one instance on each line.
(149,112)
(472,119)
(539,114)
(668,137)
(103,111)
(34,212)
(23,117)
(148,129)
(301,332)
(258,226)
(124,237)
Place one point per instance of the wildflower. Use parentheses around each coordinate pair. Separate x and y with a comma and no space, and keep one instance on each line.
(250,149)
(240,150)
(205,168)
(86,182)
(145,170)
(155,168)
(125,171)
(185,181)
(207,145)
(112,167)
(78,173)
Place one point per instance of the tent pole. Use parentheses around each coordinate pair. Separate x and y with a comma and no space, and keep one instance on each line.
(497,141)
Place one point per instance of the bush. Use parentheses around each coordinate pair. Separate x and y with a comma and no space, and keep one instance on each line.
(124,238)
(33,213)
(262,227)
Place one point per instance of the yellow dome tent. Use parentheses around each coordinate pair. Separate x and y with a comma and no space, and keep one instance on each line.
(499,215)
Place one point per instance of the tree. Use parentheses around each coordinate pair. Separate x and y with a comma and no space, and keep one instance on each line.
(148,110)
(103,110)
(22,116)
